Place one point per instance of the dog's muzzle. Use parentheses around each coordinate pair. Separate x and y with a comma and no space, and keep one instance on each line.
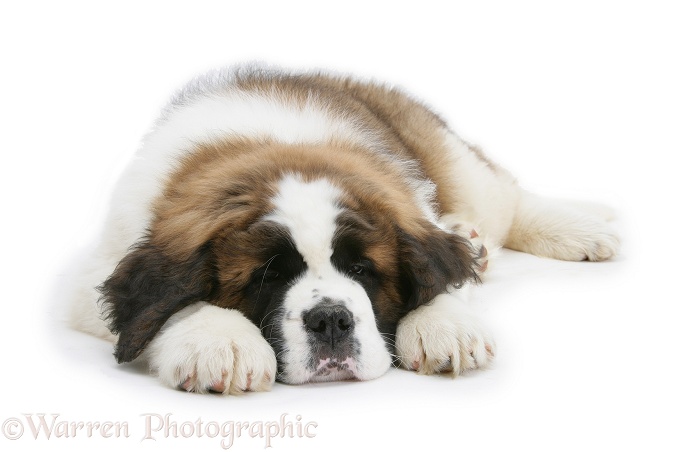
(330,328)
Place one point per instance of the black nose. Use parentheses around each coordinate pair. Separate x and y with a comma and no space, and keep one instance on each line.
(329,323)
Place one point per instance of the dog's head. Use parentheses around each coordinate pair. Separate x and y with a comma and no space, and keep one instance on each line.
(325,256)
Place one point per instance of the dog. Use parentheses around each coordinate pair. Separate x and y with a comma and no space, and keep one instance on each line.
(306,227)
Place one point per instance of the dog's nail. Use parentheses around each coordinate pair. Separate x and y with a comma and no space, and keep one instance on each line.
(218,386)
(415,365)
(187,385)
(483,267)
(483,252)
(473,234)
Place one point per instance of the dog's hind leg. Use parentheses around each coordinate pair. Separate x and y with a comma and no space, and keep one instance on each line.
(562,229)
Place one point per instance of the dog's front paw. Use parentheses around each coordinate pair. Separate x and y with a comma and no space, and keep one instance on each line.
(206,348)
(443,337)
(468,231)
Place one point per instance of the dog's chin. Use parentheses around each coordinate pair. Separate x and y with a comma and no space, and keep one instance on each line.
(332,375)
(327,369)
(332,369)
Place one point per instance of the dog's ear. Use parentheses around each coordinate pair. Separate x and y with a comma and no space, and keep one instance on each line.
(431,262)
(147,287)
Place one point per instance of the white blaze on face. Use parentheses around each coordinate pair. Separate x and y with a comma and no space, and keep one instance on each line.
(309,211)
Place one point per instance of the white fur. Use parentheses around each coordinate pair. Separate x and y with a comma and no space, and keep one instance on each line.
(203,346)
(309,211)
(443,336)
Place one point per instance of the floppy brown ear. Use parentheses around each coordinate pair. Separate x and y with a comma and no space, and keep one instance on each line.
(430,263)
(147,287)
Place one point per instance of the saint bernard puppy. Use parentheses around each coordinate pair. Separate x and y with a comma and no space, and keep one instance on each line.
(308,227)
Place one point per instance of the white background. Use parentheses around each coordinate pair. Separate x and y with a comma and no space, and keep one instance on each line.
(579,101)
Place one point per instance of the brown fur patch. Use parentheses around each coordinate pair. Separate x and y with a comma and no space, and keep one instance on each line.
(227,186)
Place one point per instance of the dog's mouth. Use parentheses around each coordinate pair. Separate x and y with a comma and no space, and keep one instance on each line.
(324,363)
